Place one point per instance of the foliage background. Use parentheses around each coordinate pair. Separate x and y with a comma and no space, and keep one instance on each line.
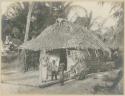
(46,13)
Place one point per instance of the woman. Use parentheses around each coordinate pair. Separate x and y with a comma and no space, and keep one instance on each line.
(43,68)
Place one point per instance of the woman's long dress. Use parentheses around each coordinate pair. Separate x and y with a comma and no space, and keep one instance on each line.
(42,70)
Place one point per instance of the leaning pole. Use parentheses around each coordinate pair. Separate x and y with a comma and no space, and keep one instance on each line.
(27,32)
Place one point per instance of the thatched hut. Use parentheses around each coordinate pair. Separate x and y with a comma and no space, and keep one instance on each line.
(64,35)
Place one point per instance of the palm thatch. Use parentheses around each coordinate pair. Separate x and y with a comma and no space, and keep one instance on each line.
(65,34)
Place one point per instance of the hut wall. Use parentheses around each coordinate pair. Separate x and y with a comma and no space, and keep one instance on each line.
(76,60)
(70,62)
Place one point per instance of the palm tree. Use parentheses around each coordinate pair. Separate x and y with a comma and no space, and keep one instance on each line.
(43,15)
(26,33)
(28,22)
(117,12)
(60,9)
(87,20)
(17,16)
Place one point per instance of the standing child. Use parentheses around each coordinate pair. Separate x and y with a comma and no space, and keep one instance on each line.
(54,70)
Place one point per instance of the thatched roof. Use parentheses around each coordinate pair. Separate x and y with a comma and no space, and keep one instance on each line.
(65,35)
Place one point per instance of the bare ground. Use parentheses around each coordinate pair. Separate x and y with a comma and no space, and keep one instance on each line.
(17,82)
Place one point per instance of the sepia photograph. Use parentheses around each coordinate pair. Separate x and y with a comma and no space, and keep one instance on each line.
(62,47)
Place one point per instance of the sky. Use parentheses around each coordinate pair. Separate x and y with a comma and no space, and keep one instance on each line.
(5,5)
(98,11)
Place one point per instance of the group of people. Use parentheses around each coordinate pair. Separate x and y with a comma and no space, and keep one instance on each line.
(55,70)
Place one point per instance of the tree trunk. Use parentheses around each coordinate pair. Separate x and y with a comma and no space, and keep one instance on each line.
(26,34)
(28,21)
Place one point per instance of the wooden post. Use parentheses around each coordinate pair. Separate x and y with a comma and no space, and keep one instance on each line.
(98,56)
(96,53)
(40,69)
(67,57)
(88,52)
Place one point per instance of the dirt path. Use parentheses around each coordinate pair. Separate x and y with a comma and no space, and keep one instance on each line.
(70,87)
